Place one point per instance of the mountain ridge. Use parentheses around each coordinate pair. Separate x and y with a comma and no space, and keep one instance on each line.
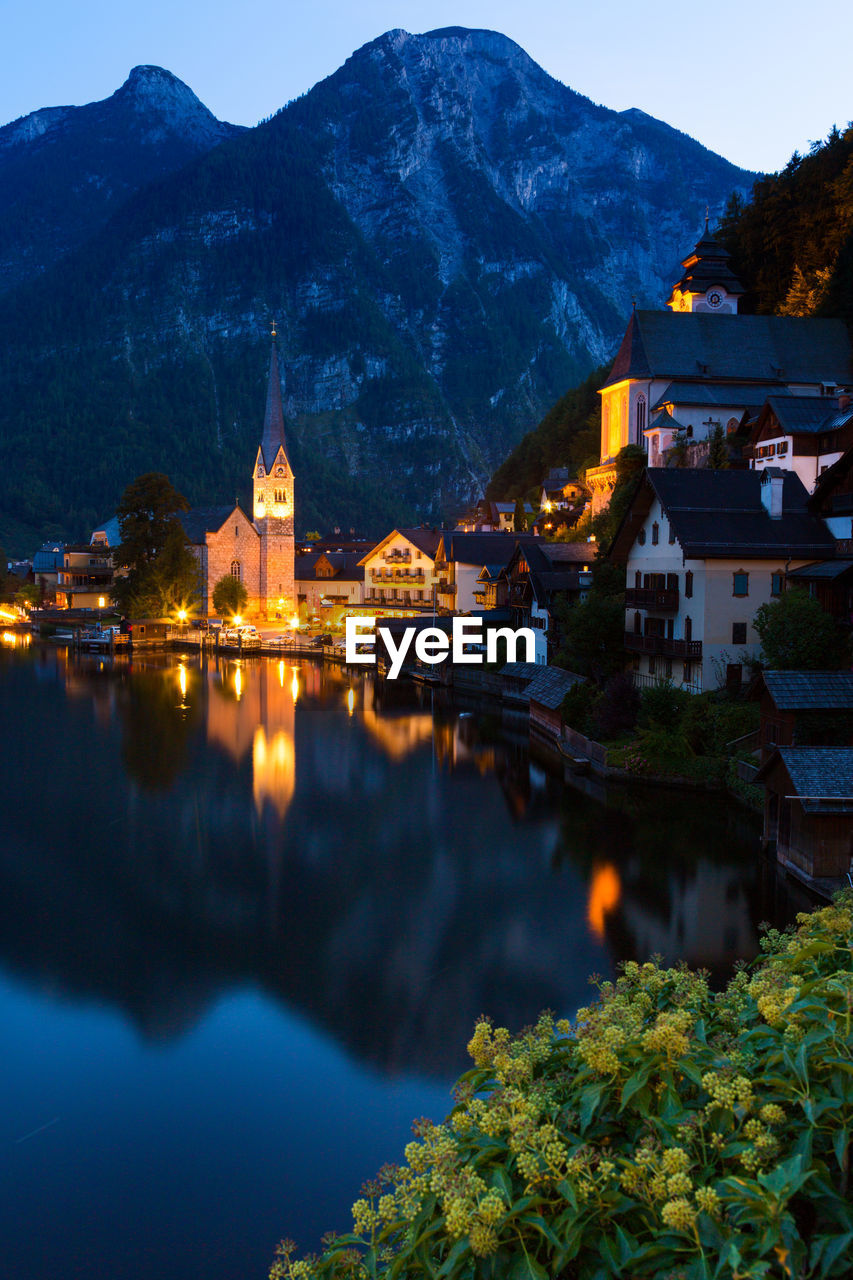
(448,238)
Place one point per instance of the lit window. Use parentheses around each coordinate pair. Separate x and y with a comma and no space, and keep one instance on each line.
(236,570)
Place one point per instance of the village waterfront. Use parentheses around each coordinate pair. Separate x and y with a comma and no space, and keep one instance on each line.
(250,913)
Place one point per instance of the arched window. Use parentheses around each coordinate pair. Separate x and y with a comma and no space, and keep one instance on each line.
(641,415)
(688,628)
(236,570)
(688,583)
(638,579)
(655,533)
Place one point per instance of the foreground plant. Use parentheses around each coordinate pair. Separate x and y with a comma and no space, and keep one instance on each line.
(669,1132)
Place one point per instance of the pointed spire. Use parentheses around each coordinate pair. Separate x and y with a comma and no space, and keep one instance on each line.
(273,437)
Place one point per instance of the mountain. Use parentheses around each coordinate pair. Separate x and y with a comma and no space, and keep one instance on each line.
(65,170)
(447,238)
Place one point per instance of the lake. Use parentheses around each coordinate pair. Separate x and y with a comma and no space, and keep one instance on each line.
(249,913)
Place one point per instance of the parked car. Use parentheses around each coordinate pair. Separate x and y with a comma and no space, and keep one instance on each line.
(247,636)
(321,640)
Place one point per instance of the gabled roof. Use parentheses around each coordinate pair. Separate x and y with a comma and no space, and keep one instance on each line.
(426,540)
(202,520)
(483,548)
(347,566)
(273,436)
(551,685)
(712,348)
(822,777)
(720,514)
(545,584)
(810,690)
(664,422)
(804,414)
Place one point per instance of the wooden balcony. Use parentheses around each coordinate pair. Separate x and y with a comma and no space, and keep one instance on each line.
(661,601)
(689,649)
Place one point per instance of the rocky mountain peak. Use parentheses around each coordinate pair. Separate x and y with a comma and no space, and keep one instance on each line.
(151,90)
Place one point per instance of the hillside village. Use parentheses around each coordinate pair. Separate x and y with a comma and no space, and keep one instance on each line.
(744,425)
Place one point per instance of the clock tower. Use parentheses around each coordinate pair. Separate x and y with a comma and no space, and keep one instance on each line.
(272,505)
(708,283)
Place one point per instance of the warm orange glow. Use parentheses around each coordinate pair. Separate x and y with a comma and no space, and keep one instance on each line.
(101,602)
(10,617)
(182,681)
(351,701)
(294,684)
(273,769)
(281,673)
(605,891)
(238,683)
(238,618)
(182,615)
(294,622)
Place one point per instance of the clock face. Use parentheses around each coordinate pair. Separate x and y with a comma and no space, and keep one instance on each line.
(714,298)
(279,471)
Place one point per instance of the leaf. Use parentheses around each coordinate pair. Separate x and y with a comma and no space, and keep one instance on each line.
(840,1143)
(539,1224)
(501,1180)
(528,1268)
(457,1253)
(590,1099)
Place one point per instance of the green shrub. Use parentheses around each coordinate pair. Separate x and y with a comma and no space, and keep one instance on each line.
(668,1132)
(663,706)
(578,707)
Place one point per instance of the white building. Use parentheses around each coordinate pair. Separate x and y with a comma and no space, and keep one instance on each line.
(802,434)
(703,550)
(400,578)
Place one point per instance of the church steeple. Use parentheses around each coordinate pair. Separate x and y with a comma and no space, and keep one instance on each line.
(708,283)
(273,503)
(273,436)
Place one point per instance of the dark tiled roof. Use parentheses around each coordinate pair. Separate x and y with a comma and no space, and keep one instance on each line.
(721,514)
(810,690)
(202,520)
(273,436)
(665,422)
(483,548)
(822,777)
(577,552)
(807,414)
(345,564)
(723,395)
(544,584)
(551,686)
(823,571)
(712,348)
(425,540)
(525,671)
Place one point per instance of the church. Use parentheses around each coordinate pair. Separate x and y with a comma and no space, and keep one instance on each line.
(259,552)
(683,372)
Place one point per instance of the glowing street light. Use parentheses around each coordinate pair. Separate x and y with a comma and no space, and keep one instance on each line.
(101,601)
(294,622)
(238,618)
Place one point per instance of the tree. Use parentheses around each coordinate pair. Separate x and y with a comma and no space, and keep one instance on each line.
(718,453)
(162,572)
(519,519)
(593,636)
(229,596)
(796,635)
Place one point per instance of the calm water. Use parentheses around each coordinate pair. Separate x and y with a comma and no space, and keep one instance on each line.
(248,916)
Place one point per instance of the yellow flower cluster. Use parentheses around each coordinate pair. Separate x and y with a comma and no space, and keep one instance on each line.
(668,1034)
(727,1091)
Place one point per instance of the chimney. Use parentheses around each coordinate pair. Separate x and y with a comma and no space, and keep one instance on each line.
(772,483)
(844,400)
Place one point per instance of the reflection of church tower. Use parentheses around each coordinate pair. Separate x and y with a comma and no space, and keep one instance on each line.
(273,505)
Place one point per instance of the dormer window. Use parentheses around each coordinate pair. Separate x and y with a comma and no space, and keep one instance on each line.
(260,472)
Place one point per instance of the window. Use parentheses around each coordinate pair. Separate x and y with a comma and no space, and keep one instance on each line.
(641,537)
(667,668)
(641,415)
(672,582)
(236,570)
(782,447)
(655,533)
(688,583)
(738,633)
(236,531)
(740,583)
(671,536)
(688,628)
(777,582)
(638,579)
(638,624)
(651,664)
(687,673)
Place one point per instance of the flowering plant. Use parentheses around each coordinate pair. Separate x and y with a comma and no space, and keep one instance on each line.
(668,1132)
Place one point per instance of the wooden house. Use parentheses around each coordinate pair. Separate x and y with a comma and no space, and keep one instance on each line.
(804,708)
(808,809)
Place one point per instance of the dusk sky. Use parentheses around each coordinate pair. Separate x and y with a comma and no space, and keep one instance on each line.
(751,79)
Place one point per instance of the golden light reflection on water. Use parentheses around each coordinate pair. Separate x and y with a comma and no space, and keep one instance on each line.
(13,639)
(605,892)
(273,770)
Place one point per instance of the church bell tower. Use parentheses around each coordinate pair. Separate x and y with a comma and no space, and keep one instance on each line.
(272,505)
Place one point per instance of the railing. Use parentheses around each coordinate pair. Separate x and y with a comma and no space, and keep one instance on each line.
(447,588)
(663,644)
(664,600)
(643,680)
(398,557)
(397,578)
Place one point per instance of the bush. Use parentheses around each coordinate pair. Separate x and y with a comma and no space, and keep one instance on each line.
(578,706)
(662,706)
(668,1132)
(616,711)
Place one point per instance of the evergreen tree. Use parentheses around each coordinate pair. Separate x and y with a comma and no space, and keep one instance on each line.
(162,574)
(230,597)
(718,453)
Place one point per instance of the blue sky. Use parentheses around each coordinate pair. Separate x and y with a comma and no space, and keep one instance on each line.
(750,79)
